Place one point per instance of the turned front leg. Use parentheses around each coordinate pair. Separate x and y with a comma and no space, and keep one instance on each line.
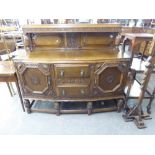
(89,107)
(120,105)
(27,106)
(57,108)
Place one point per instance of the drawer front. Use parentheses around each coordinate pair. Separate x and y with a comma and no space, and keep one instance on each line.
(72,71)
(73,91)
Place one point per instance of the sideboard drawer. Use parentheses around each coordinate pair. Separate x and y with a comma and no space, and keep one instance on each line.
(72,71)
(82,91)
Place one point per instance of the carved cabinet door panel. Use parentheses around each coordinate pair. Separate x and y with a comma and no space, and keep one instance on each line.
(35,79)
(111,77)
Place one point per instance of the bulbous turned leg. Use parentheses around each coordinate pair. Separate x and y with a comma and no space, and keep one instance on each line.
(57,108)
(89,107)
(27,106)
(120,105)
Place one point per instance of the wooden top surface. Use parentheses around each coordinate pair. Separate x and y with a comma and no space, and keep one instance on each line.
(7,68)
(139,35)
(46,28)
(7,28)
(72,56)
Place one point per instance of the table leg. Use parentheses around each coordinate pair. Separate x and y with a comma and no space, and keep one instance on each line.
(57,108)
(20,96)
(147,42)
(28,106)
(9,89)
(89,107)
(123,45)
(11,86)
(150,102)
(133,43)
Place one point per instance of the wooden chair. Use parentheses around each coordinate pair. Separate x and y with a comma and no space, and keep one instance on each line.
(8,74)
(7,45)
(136,113)
(150,90)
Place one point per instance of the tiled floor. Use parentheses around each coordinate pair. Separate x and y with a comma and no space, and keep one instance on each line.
(14,121)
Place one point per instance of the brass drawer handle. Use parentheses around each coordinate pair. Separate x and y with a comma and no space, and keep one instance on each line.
(82,73)
(61,73)
(82,91)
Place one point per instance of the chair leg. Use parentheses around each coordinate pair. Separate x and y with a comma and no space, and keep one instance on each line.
(150,102)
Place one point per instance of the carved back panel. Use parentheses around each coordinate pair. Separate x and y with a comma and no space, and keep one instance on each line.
(77,36)
(98,40)
(70,40)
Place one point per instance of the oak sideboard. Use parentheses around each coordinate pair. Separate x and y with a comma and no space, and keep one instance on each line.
(72,63)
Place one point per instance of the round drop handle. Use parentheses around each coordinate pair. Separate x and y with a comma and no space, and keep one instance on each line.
(61,73)
(63,92)
(82,73)
(82,91)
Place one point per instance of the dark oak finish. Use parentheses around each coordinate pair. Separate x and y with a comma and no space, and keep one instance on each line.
(66,63)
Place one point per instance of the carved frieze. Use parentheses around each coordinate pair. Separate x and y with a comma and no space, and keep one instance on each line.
(73,40)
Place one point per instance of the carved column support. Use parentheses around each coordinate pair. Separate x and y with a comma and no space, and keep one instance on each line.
(89,107)
(30,36)
(123,45)
(57,108)
(27,106)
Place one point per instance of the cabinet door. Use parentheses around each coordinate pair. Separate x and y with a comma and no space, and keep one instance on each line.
(111,77)
(35,79)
